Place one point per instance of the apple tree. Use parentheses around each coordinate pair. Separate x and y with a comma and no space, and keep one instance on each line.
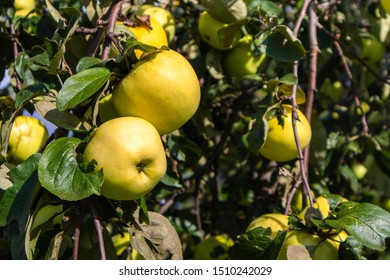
(288,115)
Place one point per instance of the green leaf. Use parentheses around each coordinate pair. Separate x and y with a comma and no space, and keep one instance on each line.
(268,7)
(47,108)
(60,174)
(30,92)
(367,223)
(81,86)
(87,62)
(183,149)
(256,245)
(227,11)
(255,138)
(19,176)
(280,44)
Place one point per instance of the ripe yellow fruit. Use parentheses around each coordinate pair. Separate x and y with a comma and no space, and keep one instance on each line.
(121,242)
(106,110)
(163,17)
(209,28)
(303,245)
(23,7)
(154,36)
(131,154)
(275,221)
(162,88)
(28,134)
(386,5)
(322,204)
(280,142)
(242,59)
(213,247)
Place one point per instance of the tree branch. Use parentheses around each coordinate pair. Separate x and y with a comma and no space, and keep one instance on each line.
(99,231)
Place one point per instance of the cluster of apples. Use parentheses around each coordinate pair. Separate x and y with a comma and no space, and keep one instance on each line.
(158,96)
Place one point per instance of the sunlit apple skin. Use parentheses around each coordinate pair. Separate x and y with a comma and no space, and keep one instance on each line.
(280,142)
(386,5)
(163,17)
(131,154)
(275,221)
(318,248)
(121,242)
(208,28)
(218,244)
(28,134)
(162,88)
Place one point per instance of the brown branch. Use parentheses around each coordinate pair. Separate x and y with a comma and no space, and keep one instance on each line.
(99,231)
(14,39)
(116,8)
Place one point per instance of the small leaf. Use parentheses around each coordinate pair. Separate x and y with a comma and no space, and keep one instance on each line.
(269,8)
(183,149)
(299,95)
(81,86)
(227,11)
(60,174)
(87,62)
(255,138)
(367,223)
(29,92)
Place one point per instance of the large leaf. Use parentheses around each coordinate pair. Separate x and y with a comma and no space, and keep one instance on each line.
(47,108)
(60,173)
(280,44)
(368,223)
(157,240)
(19,176)
(81,86)
(257,245)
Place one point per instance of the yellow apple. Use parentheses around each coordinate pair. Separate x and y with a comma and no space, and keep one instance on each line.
(280,143)
(209,28)
(121,243)
(163,17)
(28,134)
(162,88)
(106,109)
(386,5)
(154,35)
(359,169)
(304,245)
(242,59)
(275,221)
(131,154)
(213,247)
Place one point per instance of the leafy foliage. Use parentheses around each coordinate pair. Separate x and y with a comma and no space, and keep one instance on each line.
(59,63)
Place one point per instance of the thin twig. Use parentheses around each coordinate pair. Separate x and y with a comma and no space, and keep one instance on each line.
(99,231)
(365,128)
(295,108)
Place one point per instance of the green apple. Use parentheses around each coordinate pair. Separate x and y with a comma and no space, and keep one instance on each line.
(210,31)
(242,59)
(161,88)
(163,17)
(213,247)
(372,49)
(28,134)
(131,154)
